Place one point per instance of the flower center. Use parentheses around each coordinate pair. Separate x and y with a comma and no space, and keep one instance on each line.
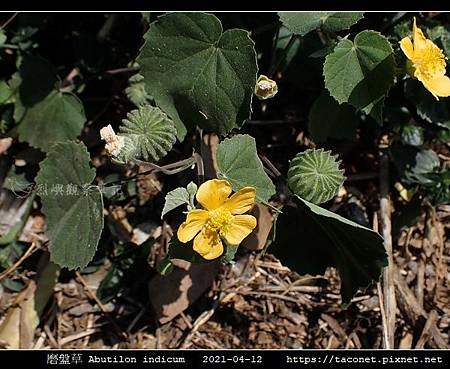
(430,62)
(264,85)
(218,219)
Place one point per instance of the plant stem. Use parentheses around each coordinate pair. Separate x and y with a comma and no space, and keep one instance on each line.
(8,46)
(283,55)
(168,169)
(390,304)
(9,20)
(274,48)
(200,167)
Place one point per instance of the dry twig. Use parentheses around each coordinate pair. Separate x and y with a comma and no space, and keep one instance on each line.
(13,267)
(390,304)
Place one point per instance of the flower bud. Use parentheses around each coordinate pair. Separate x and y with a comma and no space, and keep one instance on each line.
(265,88)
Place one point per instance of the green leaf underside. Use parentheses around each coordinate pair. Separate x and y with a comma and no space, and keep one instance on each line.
(302,23)
(74,221)
(175,198)
(314,175)
(310,239)
(361,72)
(58,117)
(197,74)
(329,120)
(150,134)
(238,162)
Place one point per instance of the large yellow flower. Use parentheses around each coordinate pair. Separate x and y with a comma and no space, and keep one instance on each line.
(428,62)
(220,217)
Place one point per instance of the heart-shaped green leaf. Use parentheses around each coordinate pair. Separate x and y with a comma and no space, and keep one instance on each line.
(310,239)
(360,72)
(238,163)
(180,196)
(198,74)
(72,206)
(302,23)
(58,117)
(314,175)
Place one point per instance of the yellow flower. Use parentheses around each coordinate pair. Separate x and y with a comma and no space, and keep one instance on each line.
(428,62)
(221,217)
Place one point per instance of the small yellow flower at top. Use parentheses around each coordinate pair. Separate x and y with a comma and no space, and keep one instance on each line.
(221,217)
(265,87)
(428,62)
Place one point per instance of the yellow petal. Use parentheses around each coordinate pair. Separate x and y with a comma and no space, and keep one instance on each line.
(195,221)
(242,201)
(208,244)
(407,47)
(213,193)
(420,41)
(439,86)
(239,228)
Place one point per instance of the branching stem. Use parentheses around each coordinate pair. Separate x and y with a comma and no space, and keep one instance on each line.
(169,169)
